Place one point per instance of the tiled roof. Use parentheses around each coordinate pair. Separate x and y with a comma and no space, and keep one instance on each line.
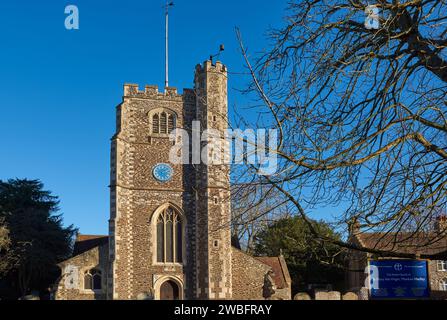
(280,273)
(419,243)
(86,242)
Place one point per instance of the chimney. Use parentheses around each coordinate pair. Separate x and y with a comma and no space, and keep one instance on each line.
(441,224)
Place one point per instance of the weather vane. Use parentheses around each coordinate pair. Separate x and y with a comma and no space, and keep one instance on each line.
(167,6)
(221,49)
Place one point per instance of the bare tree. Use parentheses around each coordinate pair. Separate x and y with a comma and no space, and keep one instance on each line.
(254,207)
(361,112)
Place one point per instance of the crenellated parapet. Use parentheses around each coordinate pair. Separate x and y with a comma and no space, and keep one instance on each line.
(152,92)
(208,66)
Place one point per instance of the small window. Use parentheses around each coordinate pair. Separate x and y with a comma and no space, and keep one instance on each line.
(216,200)
(93,280)
(214,118)
(443,285)
(216,243)
(442,265)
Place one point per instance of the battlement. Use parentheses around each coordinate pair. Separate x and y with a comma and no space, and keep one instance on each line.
(208,66)
(171,93)
(152,92)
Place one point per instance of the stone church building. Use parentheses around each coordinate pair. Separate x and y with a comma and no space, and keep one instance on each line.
(169,228)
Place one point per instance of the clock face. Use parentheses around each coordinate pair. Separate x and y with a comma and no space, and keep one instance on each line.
(163,172)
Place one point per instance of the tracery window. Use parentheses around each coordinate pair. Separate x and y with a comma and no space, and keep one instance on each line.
(169,237)
(93,279)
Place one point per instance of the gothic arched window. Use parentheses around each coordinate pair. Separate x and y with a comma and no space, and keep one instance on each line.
(169,236)
(163,122)
(93,279)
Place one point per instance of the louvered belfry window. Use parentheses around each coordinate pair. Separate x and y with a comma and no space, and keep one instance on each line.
(163,122)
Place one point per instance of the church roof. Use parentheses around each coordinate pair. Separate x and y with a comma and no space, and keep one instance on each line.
(280,274)
(87,242)
(421,243)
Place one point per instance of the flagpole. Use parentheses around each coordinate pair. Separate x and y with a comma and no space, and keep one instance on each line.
(167,45)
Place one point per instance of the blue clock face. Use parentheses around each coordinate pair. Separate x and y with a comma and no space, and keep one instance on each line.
(163,172)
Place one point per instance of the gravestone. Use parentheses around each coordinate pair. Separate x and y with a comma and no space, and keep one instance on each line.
(321,295)
(334,295)
(350,296)
(302,296)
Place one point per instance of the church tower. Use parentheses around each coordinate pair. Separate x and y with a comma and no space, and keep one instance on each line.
(169,228)
(213,215)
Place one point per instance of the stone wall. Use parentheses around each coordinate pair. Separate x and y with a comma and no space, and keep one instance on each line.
(248,276)
(96,258)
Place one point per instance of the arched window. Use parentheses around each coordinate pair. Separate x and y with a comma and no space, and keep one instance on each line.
(169,237)
(443,285)
(163,122)
(93,280)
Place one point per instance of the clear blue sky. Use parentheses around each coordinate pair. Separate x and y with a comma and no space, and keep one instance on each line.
(59,88)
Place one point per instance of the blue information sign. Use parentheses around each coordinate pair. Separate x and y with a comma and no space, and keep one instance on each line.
(398,279)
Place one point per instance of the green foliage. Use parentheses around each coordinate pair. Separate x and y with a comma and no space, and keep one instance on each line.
(309,261)
(4,237)
(38,239)
(4,243)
